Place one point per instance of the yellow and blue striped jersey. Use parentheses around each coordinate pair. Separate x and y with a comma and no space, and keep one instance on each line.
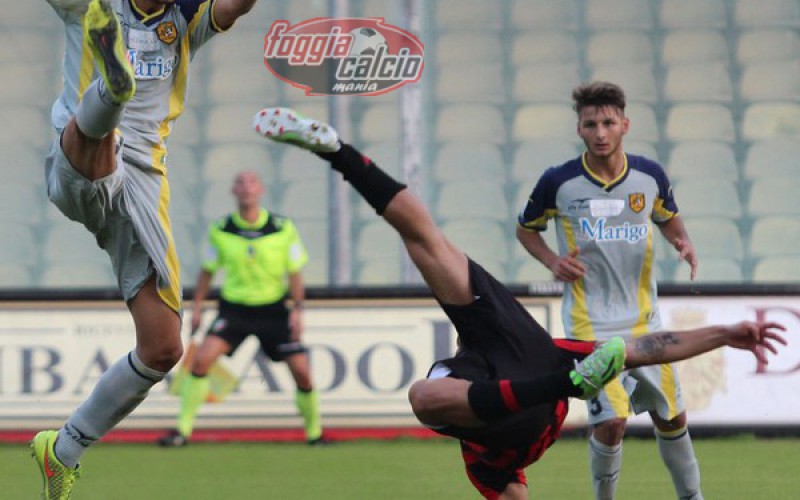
(611,224)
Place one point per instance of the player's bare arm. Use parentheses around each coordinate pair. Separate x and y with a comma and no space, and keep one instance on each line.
(564,268)
(675,233)
(226,12)
(667,347)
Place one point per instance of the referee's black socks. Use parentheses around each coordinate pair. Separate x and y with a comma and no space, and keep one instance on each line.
(495,399)
(373,184)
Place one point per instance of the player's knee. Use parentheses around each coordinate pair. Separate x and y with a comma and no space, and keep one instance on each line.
(425,400)
(611,431)
(164,356)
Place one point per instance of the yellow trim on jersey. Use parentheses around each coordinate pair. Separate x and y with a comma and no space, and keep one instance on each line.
(86,71)
(670,389)
(144,15)
(171,295)
(662,213)
(644,296)
(602,181)
(540,222)
(618,398)
(580,311)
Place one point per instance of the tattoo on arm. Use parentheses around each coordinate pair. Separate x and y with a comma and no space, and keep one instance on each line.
(652,347)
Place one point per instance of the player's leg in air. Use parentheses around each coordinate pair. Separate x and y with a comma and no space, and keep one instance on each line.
(445,268)
(86,161)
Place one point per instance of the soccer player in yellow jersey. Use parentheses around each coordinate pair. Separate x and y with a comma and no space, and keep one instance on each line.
(262,256)
(126,67)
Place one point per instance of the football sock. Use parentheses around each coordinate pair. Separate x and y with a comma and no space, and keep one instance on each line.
(194,392)
(678,455)
(604,463)
(117,393)
(373,184)
(97,116)
(308,405)
(494,399)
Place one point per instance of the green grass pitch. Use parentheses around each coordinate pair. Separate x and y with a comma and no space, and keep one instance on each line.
(733,468)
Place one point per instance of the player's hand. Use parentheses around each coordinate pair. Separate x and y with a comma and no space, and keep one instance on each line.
(686,252)
(756,336)
(568,267)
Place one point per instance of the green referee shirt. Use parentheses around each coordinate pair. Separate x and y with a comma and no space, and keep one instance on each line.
(256,257)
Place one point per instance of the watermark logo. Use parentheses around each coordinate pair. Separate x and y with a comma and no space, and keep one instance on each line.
(343,56)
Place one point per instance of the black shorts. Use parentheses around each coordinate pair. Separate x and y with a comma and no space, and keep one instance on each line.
(499,339)
(269,323)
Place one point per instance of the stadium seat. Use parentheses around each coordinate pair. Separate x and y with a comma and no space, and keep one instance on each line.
(545,121)
(638,80)
(475,15)
(183,206)
(643,124)
(771,120)
(71,243)
(772,157)
(618,14)
(27,83)
(314,235)
(533,157)
(767,13)
(306,200)
(544,47)
(22,46)
(217,202)
(230,123)
(712,238)
(706,82)
(31,124)
(376,240)
(710,270)
(243,46)
(23,162)
(380,122)
(241,82)
(471,122)
(22,201)
(679,14)
(777,270)
(699,159)
(700,122)
(771,81)
(479,238)
(15,276)
(543,83)
(387,9)
(297,165)
(520,255)
(225,161)
(183,165)
(382,272)
(694,46)
(468,48)
(642,148)
(88,274)
(763,45)
(774,195)
(530,270)
(300,11)
(619,48)
(458,161)
(20,246)
(186,130)
(708,197)
(544,14)
(774,236)
(487,85)
(472,199)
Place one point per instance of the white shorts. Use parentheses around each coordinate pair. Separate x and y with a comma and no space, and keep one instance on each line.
(126,211)
(647,388)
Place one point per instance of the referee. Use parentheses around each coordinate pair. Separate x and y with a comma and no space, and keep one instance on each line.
(261,255)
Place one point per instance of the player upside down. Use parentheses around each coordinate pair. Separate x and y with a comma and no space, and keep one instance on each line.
(504,394)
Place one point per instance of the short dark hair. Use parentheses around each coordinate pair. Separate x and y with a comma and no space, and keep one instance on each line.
(598,94)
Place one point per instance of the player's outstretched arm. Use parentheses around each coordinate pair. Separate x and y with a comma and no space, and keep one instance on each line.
(666,347)
(226,12)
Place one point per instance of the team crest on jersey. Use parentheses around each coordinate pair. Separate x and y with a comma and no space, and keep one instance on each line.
(167,32)
(636,202)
